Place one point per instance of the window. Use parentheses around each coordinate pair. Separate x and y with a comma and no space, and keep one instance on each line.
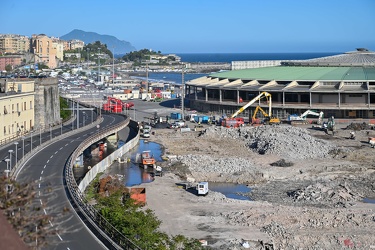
(5,130)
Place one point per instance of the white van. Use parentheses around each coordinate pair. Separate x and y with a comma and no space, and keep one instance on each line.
(202,188)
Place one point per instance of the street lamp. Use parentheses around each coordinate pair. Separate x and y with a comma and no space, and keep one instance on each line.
(50,131)
(31,142)
(23,146)
(61,123)
(15,163)
(10,157)
(7,170)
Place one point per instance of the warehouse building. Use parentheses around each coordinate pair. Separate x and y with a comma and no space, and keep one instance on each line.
(342,86)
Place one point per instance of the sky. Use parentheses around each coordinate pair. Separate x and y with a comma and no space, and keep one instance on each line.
(203,26)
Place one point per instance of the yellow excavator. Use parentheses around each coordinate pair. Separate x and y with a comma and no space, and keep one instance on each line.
(268,118)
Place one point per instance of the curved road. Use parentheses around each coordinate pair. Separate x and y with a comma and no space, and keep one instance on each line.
(45,170)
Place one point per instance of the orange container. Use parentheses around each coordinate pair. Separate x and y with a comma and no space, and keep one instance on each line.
(138,195)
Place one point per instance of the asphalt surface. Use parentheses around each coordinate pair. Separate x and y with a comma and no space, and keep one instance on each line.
(45,171)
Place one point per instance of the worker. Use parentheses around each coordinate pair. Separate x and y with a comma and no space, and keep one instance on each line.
(352,135)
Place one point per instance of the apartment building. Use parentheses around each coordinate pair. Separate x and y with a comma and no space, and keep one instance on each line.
(12,44)
(42,47)
(16,109)
(13,60)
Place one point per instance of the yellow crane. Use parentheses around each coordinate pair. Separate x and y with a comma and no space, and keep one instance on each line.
(258,97)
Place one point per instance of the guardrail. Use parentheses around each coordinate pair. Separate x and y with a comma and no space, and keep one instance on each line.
(19,164)
(106,230)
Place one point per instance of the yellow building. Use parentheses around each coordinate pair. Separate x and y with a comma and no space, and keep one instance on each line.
(16,109)
(14,44)
(42,47)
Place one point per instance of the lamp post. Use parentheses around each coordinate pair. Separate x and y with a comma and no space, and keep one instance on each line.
(50,131)
(113,68)
(31,142)
(10,157)
(99,66)
(7,170)
(15,162)
(23,146)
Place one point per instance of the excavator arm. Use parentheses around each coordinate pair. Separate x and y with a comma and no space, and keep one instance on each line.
(258,97)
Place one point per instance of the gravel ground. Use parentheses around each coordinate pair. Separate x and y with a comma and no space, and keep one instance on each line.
(307,187)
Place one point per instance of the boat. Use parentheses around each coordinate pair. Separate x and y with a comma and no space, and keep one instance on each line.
(147,159)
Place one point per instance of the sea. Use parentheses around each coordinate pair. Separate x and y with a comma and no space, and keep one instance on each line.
(176,78)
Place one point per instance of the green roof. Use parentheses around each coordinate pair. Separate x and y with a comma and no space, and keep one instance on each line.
(295,73)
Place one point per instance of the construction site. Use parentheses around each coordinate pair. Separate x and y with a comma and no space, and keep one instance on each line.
(311,181)
(309,189)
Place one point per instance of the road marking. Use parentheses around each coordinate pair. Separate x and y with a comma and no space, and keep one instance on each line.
(39,185)
(45,212)
(59,236)
(41,172)
(66,144)
(45,166)
(51,157)
(40,178)
(41,203)
(47,161)
(56,152)
(50,223)
(61,148)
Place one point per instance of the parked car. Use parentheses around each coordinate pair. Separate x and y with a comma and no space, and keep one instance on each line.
(146,134)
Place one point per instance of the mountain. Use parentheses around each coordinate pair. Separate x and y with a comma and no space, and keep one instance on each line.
(121,47)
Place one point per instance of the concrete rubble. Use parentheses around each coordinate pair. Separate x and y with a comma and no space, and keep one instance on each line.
(307,187)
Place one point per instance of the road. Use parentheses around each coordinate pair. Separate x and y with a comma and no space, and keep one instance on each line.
(45,171)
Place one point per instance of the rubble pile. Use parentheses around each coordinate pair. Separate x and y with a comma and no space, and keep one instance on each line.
(285,141)
(338,195)
(358,126)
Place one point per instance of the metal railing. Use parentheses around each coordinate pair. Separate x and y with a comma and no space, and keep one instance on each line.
(107,231)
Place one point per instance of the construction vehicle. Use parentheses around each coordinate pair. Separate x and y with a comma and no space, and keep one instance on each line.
(234,122)
(302,118)
(268,118)
(330,125)
(147,160)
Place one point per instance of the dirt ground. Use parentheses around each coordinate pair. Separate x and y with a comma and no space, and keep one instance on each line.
(312,203)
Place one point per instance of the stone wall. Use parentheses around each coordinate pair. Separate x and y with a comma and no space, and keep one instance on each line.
(47,103)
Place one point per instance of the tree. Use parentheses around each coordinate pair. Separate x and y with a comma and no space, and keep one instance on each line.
(8,67)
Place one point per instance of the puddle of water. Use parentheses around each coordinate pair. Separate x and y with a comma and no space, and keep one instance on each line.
(367,200)
(230,190)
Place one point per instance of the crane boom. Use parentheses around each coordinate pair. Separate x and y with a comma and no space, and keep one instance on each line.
(258,97)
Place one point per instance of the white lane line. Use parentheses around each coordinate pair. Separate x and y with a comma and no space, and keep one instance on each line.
(61,148)
(39,185)
(41,172)
(50,223)
(45,212)
(41,203)
(47,161)
(66,144)
(45,166)
(39,193)
(59,236)
(51,157)
(40,178)
(56,152)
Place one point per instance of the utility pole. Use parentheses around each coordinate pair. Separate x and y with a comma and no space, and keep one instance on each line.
(146,80)
(99,66)
(182,92)
(113,69)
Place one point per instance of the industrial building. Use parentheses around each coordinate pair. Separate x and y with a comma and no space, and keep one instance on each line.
(342,86)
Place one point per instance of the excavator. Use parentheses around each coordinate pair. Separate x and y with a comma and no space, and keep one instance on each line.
(302,117)
(233,121)
(268,118)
